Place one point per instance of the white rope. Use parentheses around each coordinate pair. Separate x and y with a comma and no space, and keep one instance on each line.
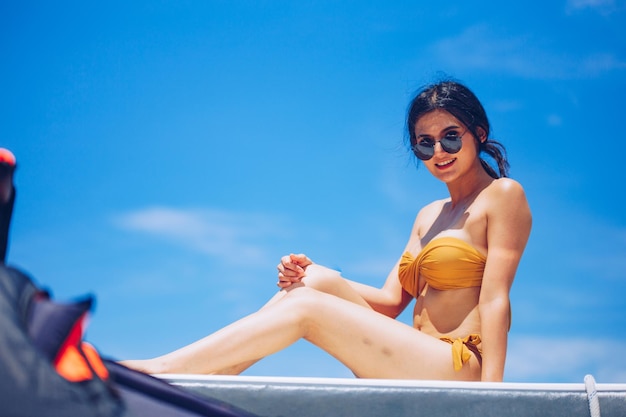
(592,396)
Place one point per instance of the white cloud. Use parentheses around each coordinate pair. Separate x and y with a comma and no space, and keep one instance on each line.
(480,48)
(227,235)
(600,63)
(582,4)
(551,359)
(603,7)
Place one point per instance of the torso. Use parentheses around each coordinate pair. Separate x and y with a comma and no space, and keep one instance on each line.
(450,313)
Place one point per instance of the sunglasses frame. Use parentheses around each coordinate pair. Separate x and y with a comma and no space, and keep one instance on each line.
(443,142)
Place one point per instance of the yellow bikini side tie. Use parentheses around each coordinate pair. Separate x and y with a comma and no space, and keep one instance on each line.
(462,349)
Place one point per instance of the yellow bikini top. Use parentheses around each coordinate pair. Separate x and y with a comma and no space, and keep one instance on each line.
(445,263)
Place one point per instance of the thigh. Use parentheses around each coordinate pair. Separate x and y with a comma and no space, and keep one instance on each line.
(327,281)
(373,345)
(332,282)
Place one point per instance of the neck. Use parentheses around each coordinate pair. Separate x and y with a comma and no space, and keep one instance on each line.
(467,188)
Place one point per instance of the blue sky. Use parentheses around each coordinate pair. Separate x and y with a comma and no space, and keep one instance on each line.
(171,152)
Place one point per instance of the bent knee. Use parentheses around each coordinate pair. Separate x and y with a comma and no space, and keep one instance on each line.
(303,303)
(302,294)
(322,279)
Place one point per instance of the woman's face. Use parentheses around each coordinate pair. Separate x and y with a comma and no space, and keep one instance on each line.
(438,124)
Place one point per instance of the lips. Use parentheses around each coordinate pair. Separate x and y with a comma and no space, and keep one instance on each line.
(445,164)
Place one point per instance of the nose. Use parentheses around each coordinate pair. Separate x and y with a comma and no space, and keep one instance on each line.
(437,147)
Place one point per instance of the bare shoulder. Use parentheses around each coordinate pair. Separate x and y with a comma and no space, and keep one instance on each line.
(506,185)
(507,202)
(506,191)
(426,216)
(431,209)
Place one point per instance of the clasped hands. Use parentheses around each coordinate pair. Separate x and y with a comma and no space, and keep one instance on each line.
(291,269)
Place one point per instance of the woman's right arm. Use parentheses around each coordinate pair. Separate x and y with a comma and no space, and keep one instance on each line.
(389,300)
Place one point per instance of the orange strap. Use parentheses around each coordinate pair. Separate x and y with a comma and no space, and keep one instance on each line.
(462,349)
(73,366)
(76,358)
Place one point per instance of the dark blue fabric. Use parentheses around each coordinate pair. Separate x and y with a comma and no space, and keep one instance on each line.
(6,211)
(29,384)
(50,323)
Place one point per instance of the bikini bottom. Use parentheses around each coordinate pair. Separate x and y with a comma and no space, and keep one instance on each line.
(462,349)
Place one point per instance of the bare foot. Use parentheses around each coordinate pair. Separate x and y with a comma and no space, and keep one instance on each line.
(138,365)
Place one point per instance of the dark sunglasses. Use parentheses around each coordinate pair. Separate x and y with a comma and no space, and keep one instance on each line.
(424,149)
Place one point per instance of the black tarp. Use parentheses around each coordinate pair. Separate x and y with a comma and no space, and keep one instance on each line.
(32,326)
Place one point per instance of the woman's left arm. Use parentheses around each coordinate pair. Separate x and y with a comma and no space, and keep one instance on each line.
(508,227)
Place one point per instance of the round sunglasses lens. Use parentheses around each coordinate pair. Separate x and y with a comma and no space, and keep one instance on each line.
(424,152)
(451,144)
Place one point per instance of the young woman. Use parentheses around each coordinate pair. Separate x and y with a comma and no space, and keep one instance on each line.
(459,265)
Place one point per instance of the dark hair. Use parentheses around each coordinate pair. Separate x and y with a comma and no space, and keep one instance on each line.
(460,102)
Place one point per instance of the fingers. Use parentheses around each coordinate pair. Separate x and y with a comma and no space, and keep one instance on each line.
(292,269)
(285,281)
(283,284)
(300,259)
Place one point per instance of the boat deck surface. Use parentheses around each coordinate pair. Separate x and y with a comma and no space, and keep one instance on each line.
(314,397)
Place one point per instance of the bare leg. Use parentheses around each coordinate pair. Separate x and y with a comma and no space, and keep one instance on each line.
(325,280)
(320,278)
(269,330)
(370,344)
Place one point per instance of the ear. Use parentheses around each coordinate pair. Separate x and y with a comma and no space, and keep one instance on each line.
(481,134)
